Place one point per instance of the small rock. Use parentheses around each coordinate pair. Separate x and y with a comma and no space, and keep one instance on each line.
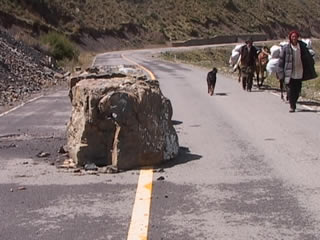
(67,74)
(58,75)
(77,68)
(21,176)
(21,188)
(43,154)
(160,178)
(109,169)
(90,167)
(62,150)
(11,189)
(112,169)
(68,163)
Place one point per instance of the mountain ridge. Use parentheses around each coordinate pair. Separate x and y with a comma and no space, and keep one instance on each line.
(118,24)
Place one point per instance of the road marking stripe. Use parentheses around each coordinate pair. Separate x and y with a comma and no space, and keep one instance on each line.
(139,224)
(275,94)
(144,68)
(19,106)
(304,106)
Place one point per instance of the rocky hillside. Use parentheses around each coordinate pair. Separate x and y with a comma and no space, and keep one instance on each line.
(24,71)
(114,24)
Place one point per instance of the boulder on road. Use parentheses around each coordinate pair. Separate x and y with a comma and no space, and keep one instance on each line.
(120,120)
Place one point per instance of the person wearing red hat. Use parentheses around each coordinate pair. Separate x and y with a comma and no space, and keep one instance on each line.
(295,65)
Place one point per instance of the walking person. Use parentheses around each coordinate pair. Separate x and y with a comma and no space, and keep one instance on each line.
(295,65)
(247,64)
(211,80)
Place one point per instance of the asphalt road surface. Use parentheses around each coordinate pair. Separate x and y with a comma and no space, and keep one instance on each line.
(247,168)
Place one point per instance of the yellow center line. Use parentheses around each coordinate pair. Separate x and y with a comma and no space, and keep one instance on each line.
(142,67)
(139,224)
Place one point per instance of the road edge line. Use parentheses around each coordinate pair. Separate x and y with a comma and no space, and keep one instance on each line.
(19,106)
(302,105)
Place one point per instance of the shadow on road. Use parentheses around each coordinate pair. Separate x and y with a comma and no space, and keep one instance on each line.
(309,103)
(269,88)
(307,110)
(221,94)
(176,122)
(184,156)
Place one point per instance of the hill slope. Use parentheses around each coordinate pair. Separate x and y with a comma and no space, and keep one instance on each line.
(114,24)
(24,71)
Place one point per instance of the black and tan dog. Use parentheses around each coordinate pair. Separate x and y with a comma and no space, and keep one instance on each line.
(211,80)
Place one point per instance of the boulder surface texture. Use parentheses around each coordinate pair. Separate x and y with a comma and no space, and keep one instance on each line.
(120,120)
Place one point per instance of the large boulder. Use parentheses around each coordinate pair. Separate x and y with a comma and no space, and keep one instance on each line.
(119,119)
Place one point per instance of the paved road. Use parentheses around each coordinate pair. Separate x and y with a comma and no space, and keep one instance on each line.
(248,168)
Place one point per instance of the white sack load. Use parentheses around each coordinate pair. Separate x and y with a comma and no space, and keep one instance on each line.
(235,67)
(235,54)
(309,46)
(308,42)
(312,52)
(238,47)
(272,66)
(234,58)
(275,51)
(283,43)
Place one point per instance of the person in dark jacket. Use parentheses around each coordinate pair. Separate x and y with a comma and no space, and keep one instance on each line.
(247,64)
(295,65)
(211,80)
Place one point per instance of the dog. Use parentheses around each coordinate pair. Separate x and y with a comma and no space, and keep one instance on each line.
(211,80)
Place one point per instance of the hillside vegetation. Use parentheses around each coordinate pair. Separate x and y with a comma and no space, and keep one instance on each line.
(115,24)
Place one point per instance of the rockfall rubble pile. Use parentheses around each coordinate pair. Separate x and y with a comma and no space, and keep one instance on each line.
(24,70)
